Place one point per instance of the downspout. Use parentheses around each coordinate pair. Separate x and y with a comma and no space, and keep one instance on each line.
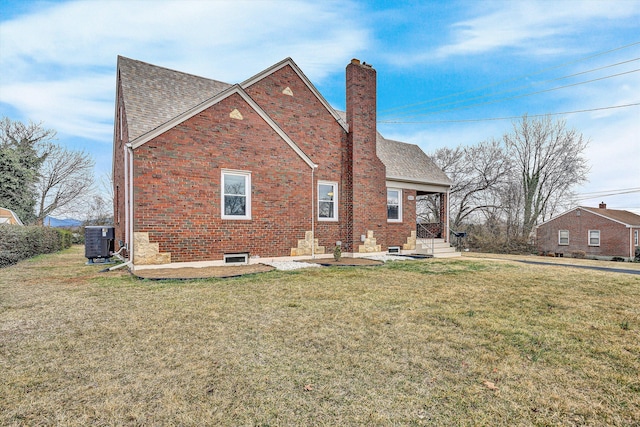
(125,161)
(313,212)
(130,202)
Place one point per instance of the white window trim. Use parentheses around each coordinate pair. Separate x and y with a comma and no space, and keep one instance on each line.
(589,238)
(247,177)
(560,238)
(335,201)
(399,219)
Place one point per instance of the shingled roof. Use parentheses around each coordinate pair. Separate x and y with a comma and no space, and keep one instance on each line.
(154,95)
(407,162)
(625,217)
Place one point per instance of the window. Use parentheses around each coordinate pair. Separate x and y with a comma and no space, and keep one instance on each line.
(594,237)
(563,237)
(236,195)
(327,201)
(394,205)
(635,237)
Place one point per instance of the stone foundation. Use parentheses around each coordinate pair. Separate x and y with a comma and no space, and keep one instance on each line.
(411,242)
(147,253)
(305,245)
(370,244)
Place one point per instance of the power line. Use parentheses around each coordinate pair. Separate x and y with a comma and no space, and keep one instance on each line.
(525,95)
(526,86)
(544,70)
(605,195)
(508,118)
(608,191)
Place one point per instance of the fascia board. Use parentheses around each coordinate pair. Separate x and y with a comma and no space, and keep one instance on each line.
(288,61)
(414,180)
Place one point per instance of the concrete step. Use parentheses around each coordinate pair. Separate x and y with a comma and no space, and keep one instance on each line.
(441,249)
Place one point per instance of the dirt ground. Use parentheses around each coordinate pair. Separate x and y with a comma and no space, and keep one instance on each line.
(239,270)
(202,273)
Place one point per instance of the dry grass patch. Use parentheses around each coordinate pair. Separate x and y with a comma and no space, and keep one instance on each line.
(435,342)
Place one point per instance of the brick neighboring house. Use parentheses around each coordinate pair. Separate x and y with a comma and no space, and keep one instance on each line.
(598,232)
(208,173)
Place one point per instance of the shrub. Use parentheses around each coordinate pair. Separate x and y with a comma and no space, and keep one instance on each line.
(17,242)
(337,253)
(578,254)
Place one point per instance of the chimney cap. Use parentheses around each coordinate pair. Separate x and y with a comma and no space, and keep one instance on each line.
(355,61)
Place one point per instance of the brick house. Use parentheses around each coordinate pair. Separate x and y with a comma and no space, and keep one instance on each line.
(208,173)
(598,232)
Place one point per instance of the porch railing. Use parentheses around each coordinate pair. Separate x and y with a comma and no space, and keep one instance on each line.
(423,232)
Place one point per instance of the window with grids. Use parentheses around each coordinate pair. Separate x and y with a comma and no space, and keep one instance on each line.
(563,237)
(394,205)
(594,237)
(327,201)
(236,195)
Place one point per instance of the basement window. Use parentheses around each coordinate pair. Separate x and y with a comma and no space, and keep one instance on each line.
(241,259)
(394,249)
(594,237)
(563,237)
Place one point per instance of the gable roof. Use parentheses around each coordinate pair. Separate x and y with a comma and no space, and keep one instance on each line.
(158,98)
(623,217)
(154,95)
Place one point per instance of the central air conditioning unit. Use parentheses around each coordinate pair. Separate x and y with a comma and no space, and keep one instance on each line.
(98,242)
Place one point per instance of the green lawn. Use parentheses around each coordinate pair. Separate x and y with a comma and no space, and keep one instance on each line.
(435,342)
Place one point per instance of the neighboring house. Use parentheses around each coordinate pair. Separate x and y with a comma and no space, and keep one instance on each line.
(598,232)
(7,216)
(209,173)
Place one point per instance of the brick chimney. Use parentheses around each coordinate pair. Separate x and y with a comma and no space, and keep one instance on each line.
(602,205)
(368,174)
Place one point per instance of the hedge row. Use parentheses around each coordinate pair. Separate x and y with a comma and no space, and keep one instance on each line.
(17,242)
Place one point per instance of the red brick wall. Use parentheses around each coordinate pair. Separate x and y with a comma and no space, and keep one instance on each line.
(308,123)
(178,195)
(369,194)
(614,237)
(397,232)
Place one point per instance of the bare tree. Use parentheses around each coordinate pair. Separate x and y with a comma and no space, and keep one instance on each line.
(21,157)
(548,161)
(66,178)
(478,172)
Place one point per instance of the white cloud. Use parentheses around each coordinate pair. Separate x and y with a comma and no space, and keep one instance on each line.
(532,27)
(58,63)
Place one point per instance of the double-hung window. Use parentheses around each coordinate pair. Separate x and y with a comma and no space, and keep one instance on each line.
(236,195)
(394,205)
(594,237)
(563,237)
(327,201)
(635,237)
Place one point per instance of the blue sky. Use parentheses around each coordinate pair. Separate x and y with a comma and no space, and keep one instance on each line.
(444,67)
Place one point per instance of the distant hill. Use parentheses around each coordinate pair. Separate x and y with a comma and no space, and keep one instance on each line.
(67,222)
